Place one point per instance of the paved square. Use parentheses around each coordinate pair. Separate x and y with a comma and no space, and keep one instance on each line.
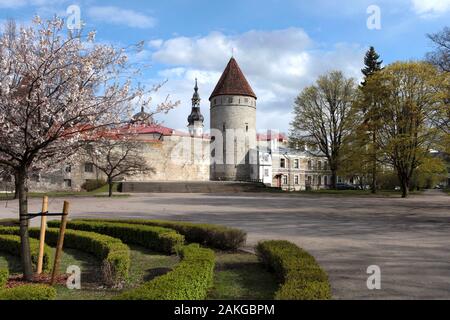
(408,238)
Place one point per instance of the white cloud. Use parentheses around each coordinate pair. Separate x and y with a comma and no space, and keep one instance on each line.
(120,16)
(427,8)
(278,64)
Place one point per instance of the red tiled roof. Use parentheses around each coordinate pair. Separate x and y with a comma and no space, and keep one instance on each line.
(233,82)
(271,136)
(153,128)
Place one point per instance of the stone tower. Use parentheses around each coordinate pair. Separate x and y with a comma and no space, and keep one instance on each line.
(195,119)
(233,127)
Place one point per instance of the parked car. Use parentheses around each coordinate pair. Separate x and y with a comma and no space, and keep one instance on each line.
(345,186)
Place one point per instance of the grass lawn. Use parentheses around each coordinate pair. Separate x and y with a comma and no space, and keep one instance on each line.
(239,276)
(99,193)
(145,265)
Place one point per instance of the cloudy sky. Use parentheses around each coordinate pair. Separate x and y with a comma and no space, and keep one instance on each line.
(281,45)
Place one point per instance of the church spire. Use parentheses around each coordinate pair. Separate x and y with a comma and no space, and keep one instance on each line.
(196,118)
(196,97)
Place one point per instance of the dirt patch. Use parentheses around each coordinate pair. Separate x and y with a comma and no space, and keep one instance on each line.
(18,280)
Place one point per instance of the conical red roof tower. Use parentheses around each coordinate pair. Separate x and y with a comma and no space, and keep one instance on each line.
(233,82)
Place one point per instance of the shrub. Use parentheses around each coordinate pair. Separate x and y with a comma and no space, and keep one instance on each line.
(10,243)
(9,222)
(300,275)
(29,292)
(189,280)
(4,275)
(209,235)
(155,238)
(91,185)
(115,255)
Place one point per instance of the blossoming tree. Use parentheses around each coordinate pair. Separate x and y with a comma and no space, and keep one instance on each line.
(56,90)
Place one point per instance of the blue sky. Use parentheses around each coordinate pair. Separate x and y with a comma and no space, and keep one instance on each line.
(282,46)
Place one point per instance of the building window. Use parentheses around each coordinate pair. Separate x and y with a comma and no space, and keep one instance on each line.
(325,165)
(320,180)
(309,180)
(296,181)
(68,183)
(215,101)
(285,180)
(319,165)
(68,169)
(296,164)
(326,180)
(282,163)
(89,167)
(246,100)
(309,165)
(266,172)
(230,100)
(246,127)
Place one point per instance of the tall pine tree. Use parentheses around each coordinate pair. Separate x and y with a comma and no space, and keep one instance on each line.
(373,64)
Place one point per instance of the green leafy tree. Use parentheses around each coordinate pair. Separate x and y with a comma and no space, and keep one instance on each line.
(409,96)
(323,117)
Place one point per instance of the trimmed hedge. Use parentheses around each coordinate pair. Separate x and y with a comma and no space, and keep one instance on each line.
(29,292)
(155,238)
(114,254)
(4,275)
(300,275)
(25,292)
(189,280)
(10,243)
(209,235)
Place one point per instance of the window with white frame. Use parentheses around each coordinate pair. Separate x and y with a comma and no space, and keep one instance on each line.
(296,180)
(296,164)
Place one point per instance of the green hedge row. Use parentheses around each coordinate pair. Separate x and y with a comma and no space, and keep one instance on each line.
(29,292)
(209,235)
(189,280)
(10,243)
(155,238)
(4,275)
(300,275)
(25,292)
(114,254)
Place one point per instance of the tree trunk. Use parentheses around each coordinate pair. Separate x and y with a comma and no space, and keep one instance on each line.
(405,187)
(374,178)
(16,187)
(333,179)
(374,164)
(24,223)
(110,187)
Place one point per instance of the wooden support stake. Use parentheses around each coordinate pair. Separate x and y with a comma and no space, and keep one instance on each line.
(59,247)
(42,236)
